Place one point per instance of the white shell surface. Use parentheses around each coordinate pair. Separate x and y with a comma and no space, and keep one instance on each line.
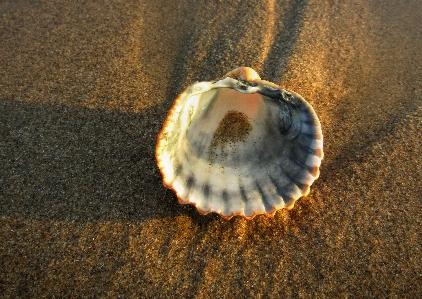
(234,148)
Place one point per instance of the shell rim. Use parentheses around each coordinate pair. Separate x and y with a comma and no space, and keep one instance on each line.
(160,146)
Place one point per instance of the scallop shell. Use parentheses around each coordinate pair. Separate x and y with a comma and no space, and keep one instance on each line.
(240,146)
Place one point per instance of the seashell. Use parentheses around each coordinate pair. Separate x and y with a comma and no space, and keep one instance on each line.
(240,146)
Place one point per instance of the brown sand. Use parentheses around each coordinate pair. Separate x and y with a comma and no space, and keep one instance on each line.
(84,89)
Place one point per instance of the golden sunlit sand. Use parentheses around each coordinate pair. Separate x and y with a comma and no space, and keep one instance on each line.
(84,90)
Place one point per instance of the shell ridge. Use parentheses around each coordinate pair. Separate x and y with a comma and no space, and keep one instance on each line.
(310,151)
(271,191)
(303,157)
(280,190)
(226,204)
(302,186)
(243,193)
(265,199)
(297,184)
(308,168)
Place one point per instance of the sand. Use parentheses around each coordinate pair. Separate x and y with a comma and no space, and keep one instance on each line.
(84,90)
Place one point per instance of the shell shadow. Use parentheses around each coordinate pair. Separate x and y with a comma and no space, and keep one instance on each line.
(70,163)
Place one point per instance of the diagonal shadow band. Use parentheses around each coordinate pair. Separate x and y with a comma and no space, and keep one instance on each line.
(207,52)
(285,38)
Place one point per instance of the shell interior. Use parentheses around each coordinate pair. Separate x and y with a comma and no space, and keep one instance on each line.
(240,148)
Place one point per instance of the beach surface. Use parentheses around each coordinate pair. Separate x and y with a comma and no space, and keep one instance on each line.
(85,87)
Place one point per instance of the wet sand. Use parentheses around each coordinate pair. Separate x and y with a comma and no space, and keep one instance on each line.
(84,90)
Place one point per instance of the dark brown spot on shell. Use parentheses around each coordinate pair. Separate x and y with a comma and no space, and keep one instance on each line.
(234,127)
